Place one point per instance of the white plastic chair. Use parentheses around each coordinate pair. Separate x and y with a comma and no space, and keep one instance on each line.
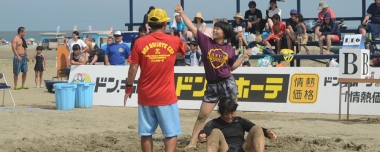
(4,86)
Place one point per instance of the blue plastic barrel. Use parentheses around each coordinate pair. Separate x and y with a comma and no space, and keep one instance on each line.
(65,95)
(84,94)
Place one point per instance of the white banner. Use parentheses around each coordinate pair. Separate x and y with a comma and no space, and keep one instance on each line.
(304,89)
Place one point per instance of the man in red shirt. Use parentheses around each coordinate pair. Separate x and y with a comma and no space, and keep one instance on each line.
(157,100)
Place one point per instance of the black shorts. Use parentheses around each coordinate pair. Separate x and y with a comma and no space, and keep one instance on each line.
(364,27)
(235,148)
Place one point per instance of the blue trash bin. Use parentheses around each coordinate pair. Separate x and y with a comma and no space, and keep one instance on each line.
(84,94)
(65,95)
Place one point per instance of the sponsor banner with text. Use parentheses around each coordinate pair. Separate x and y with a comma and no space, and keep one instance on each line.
(311,90)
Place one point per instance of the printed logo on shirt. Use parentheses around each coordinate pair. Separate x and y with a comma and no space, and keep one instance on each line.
(158,53)
(217,58)
(252,17)
(120,49)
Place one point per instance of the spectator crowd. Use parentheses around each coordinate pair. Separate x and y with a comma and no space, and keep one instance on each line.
(254,26)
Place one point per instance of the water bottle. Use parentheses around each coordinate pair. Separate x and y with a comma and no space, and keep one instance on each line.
(370,36)
(312,37)
(251,37)
(245,59)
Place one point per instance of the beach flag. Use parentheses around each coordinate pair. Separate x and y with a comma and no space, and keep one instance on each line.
(111,29)
(58,29)
(75,28)
(89,28)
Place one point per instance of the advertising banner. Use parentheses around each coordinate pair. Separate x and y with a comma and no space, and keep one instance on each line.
(303,89)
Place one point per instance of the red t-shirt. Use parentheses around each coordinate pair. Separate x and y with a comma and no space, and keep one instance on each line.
(156,55)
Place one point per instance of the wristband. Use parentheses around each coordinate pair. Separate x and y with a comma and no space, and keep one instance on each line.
(128,89)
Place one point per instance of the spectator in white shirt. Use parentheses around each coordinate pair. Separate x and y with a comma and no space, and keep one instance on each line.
(75,40)
(273,9)
(195,56)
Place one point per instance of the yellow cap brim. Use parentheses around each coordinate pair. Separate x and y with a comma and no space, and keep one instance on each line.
(160,20)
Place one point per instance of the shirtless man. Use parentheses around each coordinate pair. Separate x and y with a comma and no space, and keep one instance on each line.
(20,59)
(89,43)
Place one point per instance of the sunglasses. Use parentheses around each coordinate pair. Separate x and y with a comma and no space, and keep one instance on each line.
(293,14)
(252,7)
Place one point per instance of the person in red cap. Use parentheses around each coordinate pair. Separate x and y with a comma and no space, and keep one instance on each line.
(155,54)
(291,28)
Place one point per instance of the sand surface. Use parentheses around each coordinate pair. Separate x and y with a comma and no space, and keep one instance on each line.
(35,125)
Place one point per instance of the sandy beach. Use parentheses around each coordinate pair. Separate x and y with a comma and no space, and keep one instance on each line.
(35,125)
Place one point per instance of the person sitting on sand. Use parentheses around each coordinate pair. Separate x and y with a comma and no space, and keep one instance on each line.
(78,57)
(226,133)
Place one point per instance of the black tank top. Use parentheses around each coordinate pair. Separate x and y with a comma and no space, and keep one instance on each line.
(39,59)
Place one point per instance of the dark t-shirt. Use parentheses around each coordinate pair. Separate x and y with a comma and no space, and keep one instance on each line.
(235,25)
(145,19)
(133,42)
(233,132)
(374,10)
(291,23)
(252,17)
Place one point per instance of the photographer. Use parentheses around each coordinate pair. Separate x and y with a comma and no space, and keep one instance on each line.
(330,33)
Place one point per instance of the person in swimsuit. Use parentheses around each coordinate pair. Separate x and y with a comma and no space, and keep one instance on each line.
(77,57)
(20,58)
(40,66)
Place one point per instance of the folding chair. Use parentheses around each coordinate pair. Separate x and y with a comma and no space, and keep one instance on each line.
(4,86)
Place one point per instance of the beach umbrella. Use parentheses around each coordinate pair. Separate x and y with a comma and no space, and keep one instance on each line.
(31,39)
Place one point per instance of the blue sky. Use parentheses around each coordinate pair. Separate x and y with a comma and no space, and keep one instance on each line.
(40,15)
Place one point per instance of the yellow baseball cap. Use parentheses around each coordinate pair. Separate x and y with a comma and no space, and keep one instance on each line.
(158,16)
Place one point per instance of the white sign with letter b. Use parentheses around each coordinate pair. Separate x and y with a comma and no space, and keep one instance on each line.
(354,63)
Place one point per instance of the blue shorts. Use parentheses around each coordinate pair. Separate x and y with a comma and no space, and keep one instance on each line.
(165,116)
(20,65)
